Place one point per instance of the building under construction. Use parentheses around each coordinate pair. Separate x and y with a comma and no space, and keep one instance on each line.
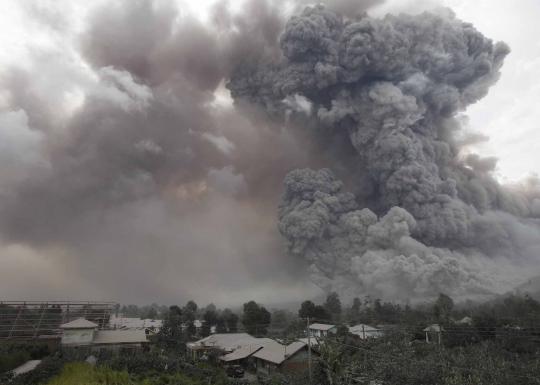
(29,320)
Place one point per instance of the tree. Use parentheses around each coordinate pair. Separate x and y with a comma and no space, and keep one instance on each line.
(280,319)
(443,308)
(354,311)
(315,312)
(256,318)
(188,318)
(386,312)
(330,368)
(333,305)
(356,305)
(231,320)
(221,326)
(191,307)
(321,314)
(307,309)
(130,311)
(150,314)
(210,318)
(170,333)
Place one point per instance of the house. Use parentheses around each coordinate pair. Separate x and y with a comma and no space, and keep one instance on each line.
(151,326)
(82,333)
(119,340)
(277,358)
(465,321)
(240,355)
(221,344)
(321,330)
(264,355)
(78,333)
(434,330)
(244,355)
(365,331)
(198,325)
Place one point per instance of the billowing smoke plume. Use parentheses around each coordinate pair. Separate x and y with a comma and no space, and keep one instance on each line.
(129,174)
(127,171)
(382,97)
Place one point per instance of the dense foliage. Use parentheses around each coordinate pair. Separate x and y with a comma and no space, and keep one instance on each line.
(15,354)
(397,360)
(81,373)
(256,318)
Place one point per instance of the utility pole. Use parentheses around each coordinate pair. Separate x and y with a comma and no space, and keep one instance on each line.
(309,349)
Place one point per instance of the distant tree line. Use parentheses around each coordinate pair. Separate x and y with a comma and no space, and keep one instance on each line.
(468,322)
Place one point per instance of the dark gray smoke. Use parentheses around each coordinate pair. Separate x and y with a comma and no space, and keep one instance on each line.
(423,218)
(124,170)
(129,175)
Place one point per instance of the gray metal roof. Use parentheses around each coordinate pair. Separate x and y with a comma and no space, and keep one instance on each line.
(119,337)
(227,341)
(434,328)
(134,323)
(79,323)
(321,326)
(277,353)
(365,331)
(241,352)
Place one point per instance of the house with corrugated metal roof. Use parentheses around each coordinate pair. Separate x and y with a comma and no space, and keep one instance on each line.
(151,326)
(434,330)
(221,343)
(264,355)
(81,334)
(78,333)
(364,331)
(278,358)
(321,330)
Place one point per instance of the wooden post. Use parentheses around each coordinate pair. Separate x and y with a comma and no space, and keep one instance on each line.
(309,349)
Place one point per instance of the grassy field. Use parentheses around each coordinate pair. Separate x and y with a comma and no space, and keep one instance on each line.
(85,374)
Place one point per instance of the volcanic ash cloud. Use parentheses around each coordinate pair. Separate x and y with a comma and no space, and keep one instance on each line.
(383,97)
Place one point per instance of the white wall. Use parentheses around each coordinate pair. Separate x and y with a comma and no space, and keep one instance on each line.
(77,336)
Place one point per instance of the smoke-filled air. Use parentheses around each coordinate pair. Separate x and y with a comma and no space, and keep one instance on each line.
(380,96)
(148,153)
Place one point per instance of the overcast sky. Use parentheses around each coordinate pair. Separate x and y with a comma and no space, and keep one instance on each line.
(509,114)
(50,29)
